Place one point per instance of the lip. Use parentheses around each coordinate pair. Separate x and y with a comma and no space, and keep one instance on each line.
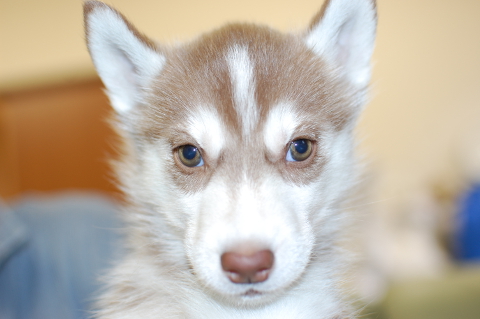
(252,293)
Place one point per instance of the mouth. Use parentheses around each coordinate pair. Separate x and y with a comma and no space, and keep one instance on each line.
(252,293)
(252,297)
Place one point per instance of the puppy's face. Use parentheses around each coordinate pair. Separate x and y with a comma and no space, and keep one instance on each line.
(244,147)
(242,142)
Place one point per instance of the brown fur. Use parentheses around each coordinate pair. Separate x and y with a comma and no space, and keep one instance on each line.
(285,70)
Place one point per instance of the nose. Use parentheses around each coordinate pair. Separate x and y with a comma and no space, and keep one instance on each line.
(247,267)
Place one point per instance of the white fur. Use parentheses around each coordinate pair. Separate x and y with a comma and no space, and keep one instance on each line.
(258,217)
(125,63)
(279,127)
(345,36)
(241,72)
(243,198)
(207,129)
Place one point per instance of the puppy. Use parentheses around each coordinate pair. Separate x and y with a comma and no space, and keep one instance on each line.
(238,156)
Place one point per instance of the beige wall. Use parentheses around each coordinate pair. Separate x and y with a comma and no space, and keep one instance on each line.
(426,94)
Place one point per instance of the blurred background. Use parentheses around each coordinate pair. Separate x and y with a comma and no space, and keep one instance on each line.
(420,134)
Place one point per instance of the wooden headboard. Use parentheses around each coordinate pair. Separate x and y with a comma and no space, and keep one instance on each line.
(56,138)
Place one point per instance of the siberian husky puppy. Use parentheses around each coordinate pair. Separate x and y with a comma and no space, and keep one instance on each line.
(238,155)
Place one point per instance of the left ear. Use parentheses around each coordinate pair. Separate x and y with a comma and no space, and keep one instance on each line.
(126,60)
(343,33)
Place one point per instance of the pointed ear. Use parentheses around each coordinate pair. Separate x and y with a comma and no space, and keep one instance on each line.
(343,33)
(126,60)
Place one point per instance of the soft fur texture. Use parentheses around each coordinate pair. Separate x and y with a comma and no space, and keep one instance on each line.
(240,94)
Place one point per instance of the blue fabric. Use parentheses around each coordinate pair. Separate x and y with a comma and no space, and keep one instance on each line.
(13,233)
(52,254)
(467,241)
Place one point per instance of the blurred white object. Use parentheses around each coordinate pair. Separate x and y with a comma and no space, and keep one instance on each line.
(402,244)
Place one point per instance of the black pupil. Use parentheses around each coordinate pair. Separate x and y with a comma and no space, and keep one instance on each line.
(301,146)
(189,152)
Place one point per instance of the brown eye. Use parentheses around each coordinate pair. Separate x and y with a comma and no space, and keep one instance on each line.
(299,150)
(190,156)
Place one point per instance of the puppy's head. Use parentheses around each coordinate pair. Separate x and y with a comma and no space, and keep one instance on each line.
(241,144)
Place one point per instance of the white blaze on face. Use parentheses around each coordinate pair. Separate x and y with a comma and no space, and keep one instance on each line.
(243,82)
(279,128)
(205,126)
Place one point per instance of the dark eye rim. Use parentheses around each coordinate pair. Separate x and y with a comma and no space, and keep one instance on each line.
(185,162)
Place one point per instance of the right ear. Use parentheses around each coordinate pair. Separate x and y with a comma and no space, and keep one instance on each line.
(126,60)
(343,33)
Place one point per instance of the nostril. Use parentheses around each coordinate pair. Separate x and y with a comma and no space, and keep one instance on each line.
(247,268)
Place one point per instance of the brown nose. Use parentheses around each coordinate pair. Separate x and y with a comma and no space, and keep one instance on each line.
(247,268)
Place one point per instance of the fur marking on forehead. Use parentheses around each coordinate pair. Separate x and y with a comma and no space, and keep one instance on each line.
(205,126)
(279,127)
(243,82)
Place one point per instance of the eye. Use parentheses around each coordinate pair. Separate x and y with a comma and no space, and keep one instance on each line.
(299,150)
(190,156)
